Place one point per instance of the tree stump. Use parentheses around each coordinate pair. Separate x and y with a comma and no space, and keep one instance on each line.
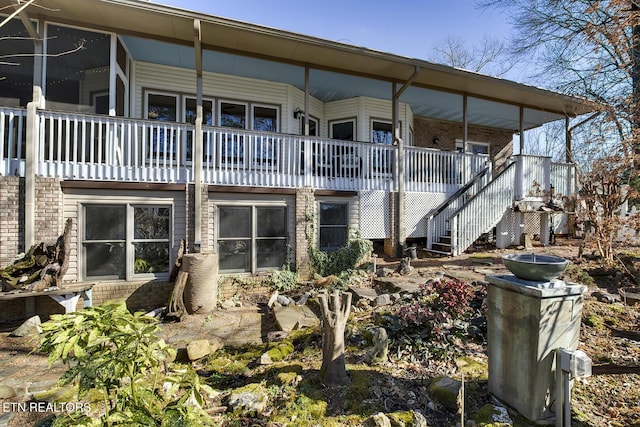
(334,322)
(201,290)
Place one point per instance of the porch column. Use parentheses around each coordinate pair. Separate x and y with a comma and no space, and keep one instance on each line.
(465,123)
(521,130)
(568,156)
(31,155)
(198,140)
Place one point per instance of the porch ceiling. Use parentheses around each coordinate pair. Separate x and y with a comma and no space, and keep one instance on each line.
(338,70)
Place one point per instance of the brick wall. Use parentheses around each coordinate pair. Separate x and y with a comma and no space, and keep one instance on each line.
(305,200)
(11,218)
(49,223)
(447,133)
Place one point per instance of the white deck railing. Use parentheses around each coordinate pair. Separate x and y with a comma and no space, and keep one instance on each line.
(564,179)
(483,211)
(96,147)
(12,140)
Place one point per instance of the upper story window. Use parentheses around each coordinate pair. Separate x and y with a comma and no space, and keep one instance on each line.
(343,129)
(233,115)
(314,127)
(473,147)
(381,132)
(162,107)
(265,118)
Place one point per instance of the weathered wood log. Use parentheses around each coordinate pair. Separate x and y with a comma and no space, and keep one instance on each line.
(43,265)
(631,335)
(178,262)
(177,308)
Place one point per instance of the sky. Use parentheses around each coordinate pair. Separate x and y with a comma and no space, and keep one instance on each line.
(403,27)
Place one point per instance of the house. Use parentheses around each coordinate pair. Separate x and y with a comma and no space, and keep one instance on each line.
(149,124)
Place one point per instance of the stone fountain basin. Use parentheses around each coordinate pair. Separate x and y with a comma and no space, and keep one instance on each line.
(535,267)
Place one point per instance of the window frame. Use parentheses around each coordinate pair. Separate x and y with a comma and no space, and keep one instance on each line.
(129,240)
(346,225)
(253,238)
(351,120)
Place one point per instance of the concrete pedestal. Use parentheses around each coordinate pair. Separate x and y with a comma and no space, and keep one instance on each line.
(527,321)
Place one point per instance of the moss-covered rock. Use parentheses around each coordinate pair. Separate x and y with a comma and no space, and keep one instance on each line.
(492,416)
(445,391)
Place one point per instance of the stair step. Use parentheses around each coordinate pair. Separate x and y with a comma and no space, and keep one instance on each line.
(438,252)
(445,239)
(442,247)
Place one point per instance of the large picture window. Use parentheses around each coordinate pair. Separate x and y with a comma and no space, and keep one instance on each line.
(333,225)
(123,241)
(252,238)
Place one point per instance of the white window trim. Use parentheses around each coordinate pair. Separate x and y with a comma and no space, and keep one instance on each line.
(176,96)
(247,111)
(253,204)
(339,121)
(333,202)
(129,240)
(467,145)
(269,106)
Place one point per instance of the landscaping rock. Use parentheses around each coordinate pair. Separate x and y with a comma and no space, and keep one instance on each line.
(198,349)
(378,420)
(283,300)
(360,293)
(384,299)
(304,298)
(228,304)
(276,335)
(7,392)
(248,402)
(273,299)
(295,317)
(29,327)
(407,419)
(265,359)
(603,297)
(492,416)
(384,272)
(446,391)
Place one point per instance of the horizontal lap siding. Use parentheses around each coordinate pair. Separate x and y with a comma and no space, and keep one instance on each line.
(74,198)
(183,81)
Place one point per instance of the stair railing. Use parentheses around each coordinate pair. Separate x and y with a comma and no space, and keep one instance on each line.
(482,211)
(437,222)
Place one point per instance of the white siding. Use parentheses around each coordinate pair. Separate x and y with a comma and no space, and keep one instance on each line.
(75,198)
(183,82)
(93,81)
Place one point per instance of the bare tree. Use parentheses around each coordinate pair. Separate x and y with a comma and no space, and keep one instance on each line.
(585,48)
(488,56)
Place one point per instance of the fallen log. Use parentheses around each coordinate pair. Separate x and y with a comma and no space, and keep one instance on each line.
(631,335)
(43,266)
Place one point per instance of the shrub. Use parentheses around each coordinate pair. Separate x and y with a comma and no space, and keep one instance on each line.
(116,357)
(346,258)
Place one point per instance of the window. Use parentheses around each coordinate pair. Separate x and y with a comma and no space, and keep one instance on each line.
(163,108)
(265,118)
(252,238)
(472,147)
(265,147)
(313,125)
(233,115)
(333,225)
(381,132)
(114,234)
(343,129)
(190,106)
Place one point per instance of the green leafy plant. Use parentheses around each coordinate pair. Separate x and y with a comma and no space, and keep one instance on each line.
(283,280)
(116,359)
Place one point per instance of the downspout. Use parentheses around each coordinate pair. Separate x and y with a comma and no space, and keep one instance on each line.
(31,153)
(401,229)
(198,139)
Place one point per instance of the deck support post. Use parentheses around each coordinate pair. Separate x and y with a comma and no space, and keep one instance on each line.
(197,139)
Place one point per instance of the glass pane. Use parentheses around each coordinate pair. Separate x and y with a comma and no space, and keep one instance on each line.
(271,253)
(190,112)
(333,214)
(151,222)
(342,130)
(333,237)
(104,259)
(151,257)
(271,222)
(233,115)
(234,221)
(382,133)
(265,119)
(162,107)
(104,222)
(234,255)
(16,80)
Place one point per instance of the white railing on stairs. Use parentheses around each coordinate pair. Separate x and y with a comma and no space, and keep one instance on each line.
(483,211)
(438,220)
